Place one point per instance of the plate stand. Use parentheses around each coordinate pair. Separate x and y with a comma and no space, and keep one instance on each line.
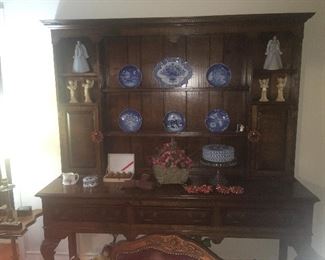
(218,178)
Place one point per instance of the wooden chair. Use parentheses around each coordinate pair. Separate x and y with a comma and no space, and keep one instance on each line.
(161,247)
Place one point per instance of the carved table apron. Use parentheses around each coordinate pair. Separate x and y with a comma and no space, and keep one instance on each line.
(277,210)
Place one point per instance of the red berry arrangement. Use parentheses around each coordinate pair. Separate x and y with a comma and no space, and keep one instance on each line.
(199,189)
(170,156)
(229,189)
(96,136)
(206,189)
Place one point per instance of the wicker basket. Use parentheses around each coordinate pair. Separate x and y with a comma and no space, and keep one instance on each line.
(172,175)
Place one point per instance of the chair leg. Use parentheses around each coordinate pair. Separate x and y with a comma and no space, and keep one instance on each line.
(72,244)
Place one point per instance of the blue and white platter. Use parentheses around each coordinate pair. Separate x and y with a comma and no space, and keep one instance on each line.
(217,120)
(174,122)
(130,120)
(172,72)
(219,75)
(130,76)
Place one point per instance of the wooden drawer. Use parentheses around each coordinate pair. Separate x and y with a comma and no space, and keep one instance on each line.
(185,216)
(113,214)
(261,217)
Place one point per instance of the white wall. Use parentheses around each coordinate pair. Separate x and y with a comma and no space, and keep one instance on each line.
(29,85)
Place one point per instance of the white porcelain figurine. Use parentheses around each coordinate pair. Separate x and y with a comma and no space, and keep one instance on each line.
(264,85)
(281,82)
(72,86)
(273,55)
(80,64)
(87,85)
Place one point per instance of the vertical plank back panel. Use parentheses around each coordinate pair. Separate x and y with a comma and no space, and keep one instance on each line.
(116,103)
(198,55)
(153,110)
(234,57)
(174,46)
(197,109)
(235,106)
(151,54)
(118,145)
(216,100)
(116,58)
(216,49)
(175,101)
(134,50)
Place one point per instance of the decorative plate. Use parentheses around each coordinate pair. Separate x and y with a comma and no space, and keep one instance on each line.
(174,122)
(130,120)
(130,76)
(217,120)
(219,75)
(172,72)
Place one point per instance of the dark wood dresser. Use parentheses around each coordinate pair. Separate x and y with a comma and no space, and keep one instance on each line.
(274,204)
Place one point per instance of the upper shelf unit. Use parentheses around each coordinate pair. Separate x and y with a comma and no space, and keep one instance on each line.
(239,42)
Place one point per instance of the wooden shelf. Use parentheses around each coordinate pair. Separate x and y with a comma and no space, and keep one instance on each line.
(199,169)
(177,89)
(94,104)
(78,75)
(272,103)
(181,134)
(262,72)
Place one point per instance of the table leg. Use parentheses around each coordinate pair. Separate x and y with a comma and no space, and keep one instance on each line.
(283,249)
(304,250)
(48,248)
(14,249)
(72,244)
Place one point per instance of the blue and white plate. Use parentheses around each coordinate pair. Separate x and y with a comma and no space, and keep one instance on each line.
(172,72)
(130,76)
(217,120)
(130,120)
(174,122)
(219,75)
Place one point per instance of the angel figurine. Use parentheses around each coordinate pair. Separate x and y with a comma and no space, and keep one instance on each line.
(72,86)
(87,85)
(80,64)
(273,55)
(281,82)
(264,85)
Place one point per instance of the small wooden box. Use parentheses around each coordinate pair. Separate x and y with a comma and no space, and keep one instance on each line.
(120,167)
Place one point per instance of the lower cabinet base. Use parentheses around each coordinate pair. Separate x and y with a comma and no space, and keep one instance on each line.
(286,214)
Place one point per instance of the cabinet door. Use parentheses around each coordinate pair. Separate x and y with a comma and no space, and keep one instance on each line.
(78,152)
(269,149)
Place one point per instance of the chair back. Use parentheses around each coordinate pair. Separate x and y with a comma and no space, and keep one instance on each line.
(161,247)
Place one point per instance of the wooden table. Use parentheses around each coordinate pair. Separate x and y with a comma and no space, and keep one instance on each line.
(26,221)
(273,209)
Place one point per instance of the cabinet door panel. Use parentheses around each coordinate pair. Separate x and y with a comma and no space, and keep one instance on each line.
(269,153)
(79,152)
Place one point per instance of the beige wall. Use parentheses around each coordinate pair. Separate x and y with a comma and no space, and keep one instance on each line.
(36,159)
